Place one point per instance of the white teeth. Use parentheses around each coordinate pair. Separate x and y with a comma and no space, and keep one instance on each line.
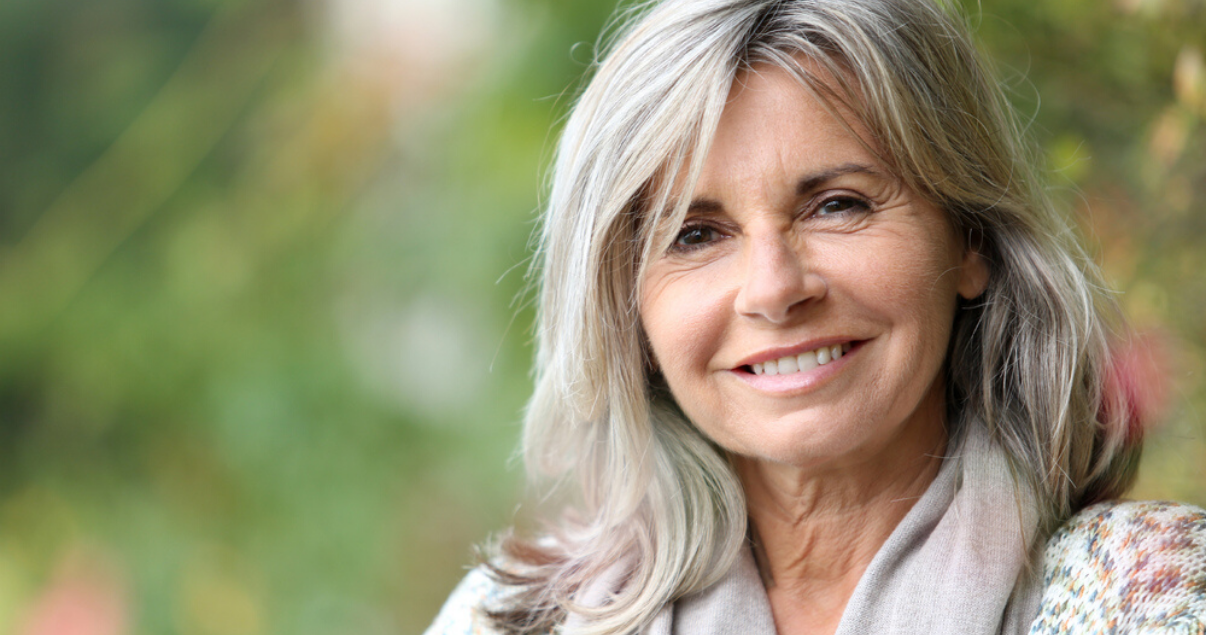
(788,365)
(807,361)
(802,362)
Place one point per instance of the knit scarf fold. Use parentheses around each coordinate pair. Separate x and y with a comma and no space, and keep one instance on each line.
(955,565)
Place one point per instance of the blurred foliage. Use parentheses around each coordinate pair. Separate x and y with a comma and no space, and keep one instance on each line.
(263,341)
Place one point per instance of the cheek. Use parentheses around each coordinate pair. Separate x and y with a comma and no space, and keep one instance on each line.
(911,278)
(684,318)
(912,288)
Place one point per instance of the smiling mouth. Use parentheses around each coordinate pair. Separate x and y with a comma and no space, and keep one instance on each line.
(800,363)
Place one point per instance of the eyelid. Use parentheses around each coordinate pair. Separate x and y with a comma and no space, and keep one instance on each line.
(819,200)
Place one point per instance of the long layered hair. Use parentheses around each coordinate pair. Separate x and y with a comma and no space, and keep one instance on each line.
(653,495)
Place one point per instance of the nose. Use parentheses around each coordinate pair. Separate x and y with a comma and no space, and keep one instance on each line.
(777,280)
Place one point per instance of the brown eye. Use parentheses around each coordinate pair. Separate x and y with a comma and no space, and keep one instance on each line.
(842,205)
(695,236)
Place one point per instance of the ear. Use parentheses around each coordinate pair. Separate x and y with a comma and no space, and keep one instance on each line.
(973,274)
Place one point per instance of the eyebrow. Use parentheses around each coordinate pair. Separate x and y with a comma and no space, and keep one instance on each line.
(804,185)
(813,181)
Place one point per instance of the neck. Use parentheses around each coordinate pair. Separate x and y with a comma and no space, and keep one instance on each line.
(818,529)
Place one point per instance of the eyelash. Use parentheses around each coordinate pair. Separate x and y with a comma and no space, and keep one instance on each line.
(857,204)
(680,247)
(854,205)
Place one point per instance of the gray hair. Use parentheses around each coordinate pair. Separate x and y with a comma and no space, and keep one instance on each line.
(1028,358)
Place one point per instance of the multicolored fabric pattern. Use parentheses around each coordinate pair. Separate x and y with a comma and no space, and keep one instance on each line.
(461,614)
(1126,567)
(1114,569)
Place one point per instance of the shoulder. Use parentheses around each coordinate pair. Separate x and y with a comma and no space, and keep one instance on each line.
(463,611)
(1126,566)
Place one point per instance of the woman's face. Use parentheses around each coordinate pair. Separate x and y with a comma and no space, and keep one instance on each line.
(803,313)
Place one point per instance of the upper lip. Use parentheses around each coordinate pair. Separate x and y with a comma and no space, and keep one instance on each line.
(776,353)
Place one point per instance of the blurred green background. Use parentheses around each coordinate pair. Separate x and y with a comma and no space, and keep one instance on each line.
(263,346)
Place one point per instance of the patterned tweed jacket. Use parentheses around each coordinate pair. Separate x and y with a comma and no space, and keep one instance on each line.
(1115,568)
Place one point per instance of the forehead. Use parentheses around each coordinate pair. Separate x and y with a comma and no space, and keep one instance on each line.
(774,128)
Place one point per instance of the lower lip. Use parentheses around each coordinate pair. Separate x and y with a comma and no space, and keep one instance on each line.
(797,383)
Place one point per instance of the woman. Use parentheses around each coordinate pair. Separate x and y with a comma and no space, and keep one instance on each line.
(817,355)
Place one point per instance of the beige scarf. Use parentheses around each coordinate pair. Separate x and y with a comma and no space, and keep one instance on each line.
(956,565)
